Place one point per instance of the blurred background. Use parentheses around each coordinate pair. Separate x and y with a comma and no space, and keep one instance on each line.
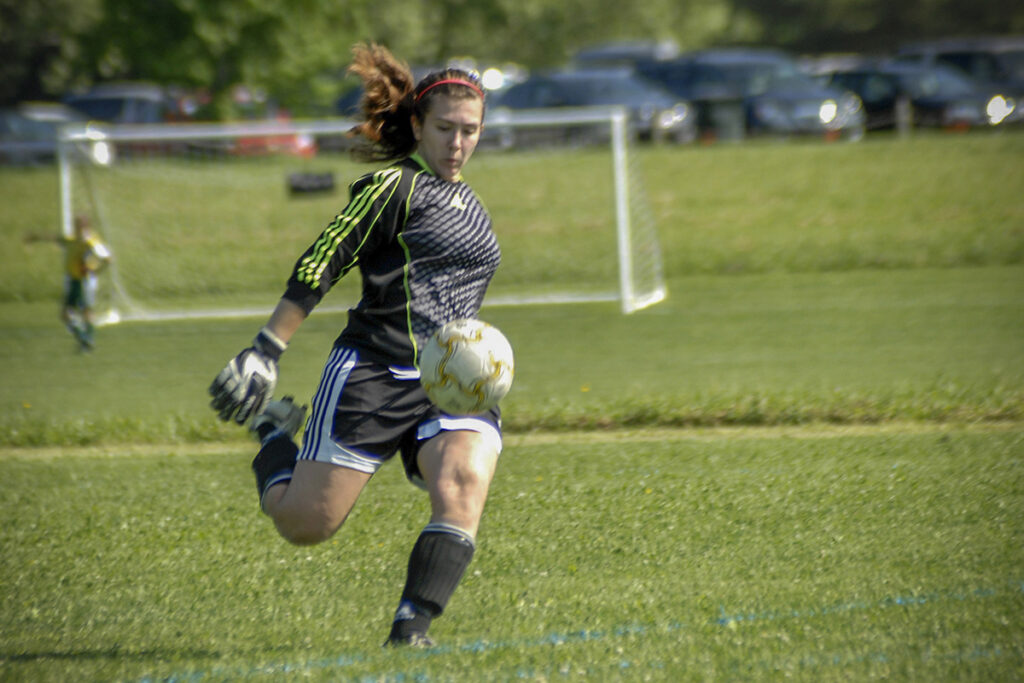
(243,59)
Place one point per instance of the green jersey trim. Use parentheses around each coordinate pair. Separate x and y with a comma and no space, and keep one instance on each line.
(406,274)
(311,267)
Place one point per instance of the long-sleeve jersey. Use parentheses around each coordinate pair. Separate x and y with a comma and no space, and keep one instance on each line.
(426,252)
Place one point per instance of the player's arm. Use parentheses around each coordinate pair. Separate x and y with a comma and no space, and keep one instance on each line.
(376,207)
(286,319)
(244,387)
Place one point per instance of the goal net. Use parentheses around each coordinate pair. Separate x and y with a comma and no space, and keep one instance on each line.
(206,220)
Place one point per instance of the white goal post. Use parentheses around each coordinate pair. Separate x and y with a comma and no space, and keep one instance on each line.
(160,194)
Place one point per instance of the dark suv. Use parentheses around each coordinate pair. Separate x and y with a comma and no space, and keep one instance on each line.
(757,91)
(996,60)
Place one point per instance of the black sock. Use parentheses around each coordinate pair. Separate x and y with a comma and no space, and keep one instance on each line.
(274,463)
(436,565)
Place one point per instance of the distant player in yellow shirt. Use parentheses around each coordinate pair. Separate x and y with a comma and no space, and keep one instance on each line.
(85,255)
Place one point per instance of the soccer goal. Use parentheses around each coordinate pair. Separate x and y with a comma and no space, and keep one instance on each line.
(206,220)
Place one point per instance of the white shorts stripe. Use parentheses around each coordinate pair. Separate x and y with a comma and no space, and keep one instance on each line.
(321,422)
(432,428)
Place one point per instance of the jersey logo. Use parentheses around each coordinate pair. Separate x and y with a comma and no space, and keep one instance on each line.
(459,203)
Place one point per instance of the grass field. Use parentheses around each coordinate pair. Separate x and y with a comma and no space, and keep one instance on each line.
(817,554)
(808,463)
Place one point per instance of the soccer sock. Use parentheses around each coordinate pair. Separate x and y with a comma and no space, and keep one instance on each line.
(275,462)
(78,331)
(436,565)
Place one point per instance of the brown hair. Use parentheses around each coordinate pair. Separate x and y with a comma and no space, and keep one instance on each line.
(391,97)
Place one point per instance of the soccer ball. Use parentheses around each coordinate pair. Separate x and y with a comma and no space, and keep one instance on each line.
(466,367)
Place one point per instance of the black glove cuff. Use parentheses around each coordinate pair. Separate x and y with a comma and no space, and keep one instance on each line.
(269,344)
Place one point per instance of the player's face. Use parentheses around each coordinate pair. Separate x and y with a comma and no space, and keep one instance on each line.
(449,133)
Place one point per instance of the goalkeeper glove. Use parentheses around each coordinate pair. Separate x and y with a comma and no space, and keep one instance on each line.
(244,387)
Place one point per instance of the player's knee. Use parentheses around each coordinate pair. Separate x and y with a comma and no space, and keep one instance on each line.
(464,489)
(462,482)
(304,527)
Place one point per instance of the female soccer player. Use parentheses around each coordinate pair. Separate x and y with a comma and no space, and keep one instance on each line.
(424,247)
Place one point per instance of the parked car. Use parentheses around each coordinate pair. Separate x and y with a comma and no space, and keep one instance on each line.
(28,131)
(125,103)
(757,91)
(653,113)
(997,60)
(935,96)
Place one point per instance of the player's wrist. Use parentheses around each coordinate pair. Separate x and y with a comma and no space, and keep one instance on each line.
(269,344)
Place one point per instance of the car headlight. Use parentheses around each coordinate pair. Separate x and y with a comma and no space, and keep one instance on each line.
(998,108)
(827,111)
(99,148)
(670,118)
(102,153)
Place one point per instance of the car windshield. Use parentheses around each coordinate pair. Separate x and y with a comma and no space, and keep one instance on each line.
(1013,62)
(102,108)
(753,78)
(609,91)
(986,66)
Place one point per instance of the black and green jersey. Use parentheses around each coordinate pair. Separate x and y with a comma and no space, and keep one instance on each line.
(426,252)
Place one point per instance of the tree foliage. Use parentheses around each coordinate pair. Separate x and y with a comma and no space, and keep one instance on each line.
(298,49)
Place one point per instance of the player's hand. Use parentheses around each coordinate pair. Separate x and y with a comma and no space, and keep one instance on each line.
(244,387)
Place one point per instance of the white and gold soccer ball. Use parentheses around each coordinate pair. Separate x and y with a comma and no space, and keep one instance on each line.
(466,367)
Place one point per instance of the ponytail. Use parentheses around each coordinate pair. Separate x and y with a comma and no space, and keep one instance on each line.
(391,98)
(386,105)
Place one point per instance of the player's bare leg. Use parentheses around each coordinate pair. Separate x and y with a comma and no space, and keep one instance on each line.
(312,506)
(457,467)
(308,500)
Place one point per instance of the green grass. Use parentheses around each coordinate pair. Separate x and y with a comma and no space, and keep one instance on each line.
(839,283)
(806,463)
(206,233)
(848,348)
(887,203)
(696,555)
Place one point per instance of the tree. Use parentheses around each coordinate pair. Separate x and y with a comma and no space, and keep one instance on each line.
(298,49)
(37,45)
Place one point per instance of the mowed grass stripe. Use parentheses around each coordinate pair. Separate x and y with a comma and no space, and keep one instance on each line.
(528,439)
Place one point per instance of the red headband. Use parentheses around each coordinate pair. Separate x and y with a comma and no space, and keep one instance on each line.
(458,81)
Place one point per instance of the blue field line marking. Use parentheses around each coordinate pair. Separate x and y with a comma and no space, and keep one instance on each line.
(724,619)
(727,619)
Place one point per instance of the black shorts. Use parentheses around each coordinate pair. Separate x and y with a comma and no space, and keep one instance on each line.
(363,413)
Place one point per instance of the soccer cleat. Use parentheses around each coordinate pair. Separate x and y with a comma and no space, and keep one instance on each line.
(418,641)
(282,415)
